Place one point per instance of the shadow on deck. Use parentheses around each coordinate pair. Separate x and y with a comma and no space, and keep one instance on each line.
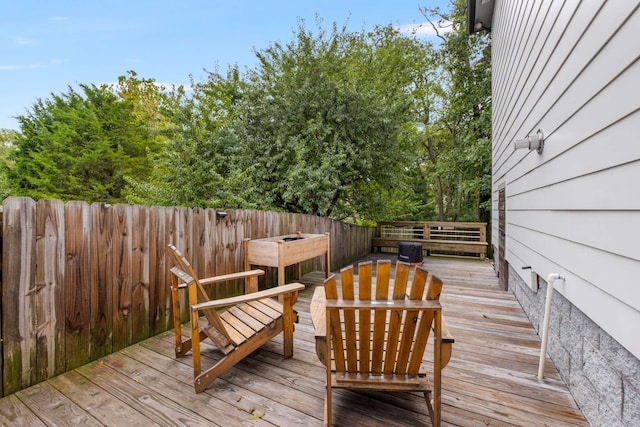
(490,380)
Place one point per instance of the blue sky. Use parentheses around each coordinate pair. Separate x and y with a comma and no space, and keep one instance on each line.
(48,45)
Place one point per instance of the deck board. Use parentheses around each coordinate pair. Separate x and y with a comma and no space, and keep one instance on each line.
(490,380)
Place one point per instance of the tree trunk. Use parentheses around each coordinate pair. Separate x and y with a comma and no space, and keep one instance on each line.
(440,196)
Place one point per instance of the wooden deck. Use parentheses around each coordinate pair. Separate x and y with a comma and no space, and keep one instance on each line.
(491,379)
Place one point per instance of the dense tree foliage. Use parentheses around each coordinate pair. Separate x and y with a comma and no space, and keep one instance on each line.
(323,121)
(317,128)
(81,146)
(454,109)
(375,125)
(7,138)
(199,166)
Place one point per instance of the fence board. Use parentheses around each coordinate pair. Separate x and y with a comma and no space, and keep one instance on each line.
(199,241)
(121,276)
(77,337)
(184,243)
(18,331)
(139,273)
(226,243)
(174,237)
(101,280)
(208,246)
(158,310)
(185,232)
(197,237)
(50,297)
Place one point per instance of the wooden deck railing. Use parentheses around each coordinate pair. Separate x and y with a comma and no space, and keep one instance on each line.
(80,281)
(460,238)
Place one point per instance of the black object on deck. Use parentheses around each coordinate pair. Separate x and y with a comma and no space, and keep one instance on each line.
(410,252)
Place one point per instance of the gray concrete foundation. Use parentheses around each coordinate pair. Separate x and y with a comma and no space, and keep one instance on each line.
(602,376)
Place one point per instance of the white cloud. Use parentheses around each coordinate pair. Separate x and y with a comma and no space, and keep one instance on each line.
(11,67)
(14,67)
(425,29)
(24,41)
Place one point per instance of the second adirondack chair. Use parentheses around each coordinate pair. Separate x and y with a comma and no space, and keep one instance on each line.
(377,341)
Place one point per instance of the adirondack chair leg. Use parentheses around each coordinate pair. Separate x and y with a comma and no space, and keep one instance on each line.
(427,397)
(195,330)
(204,380)
(287,329)
(186,345)
(328,413)
(195,343)
(182,346)
(175,298)
(327,408)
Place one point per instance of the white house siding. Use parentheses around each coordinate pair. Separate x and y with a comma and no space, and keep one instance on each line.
(571,69)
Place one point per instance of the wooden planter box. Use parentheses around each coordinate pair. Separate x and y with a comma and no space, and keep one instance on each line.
(290,249)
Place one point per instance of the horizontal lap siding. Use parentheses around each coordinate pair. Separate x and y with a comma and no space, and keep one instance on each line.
(585,228)
(572,70)
(581,265)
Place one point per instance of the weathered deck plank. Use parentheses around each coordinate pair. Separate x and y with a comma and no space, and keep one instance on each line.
(53,407)
(13,412)
(490,380)
(103,406)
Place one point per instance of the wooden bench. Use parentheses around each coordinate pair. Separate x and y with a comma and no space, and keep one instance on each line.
(461,238)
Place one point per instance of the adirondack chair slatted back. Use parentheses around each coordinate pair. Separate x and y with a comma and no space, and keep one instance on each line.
(216,331)
(375,336)
(386,343)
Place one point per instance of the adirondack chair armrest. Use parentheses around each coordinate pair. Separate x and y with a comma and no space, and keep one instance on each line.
(232,276)
(267,293)
(447,336)
(447,343)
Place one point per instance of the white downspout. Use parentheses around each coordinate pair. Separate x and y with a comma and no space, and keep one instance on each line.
(551,278)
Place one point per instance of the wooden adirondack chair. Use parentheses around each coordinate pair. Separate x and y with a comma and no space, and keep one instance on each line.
(248,322)
(377,342)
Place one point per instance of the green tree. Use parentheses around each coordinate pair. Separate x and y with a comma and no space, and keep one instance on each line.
(455,113)
(319,127)
(199,166)
(324,118)
(7,138)
(81,145)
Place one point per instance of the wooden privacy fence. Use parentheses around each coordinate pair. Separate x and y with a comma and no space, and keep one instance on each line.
(80,281)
